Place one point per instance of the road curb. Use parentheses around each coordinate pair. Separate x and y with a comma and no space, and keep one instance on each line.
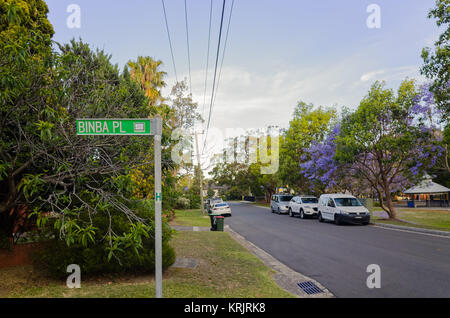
(285,277)
(412,229)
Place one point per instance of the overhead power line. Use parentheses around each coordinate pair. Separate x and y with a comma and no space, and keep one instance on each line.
(187,41)
(215,74)
(207,59)
(223,53)
(170,41)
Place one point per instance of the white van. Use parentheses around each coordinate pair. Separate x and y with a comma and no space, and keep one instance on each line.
(342,208)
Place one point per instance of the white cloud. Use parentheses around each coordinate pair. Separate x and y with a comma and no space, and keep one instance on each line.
(250,99)
(396,73)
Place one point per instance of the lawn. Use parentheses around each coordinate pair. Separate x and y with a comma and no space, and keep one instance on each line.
(225,269)
(262,203)
(429,219)
(191,218)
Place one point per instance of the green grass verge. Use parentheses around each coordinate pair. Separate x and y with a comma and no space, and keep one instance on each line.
(427,219)
(225,269)
(264,204)
(191,218)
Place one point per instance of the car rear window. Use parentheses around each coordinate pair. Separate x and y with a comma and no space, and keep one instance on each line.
(285,198)
(221,204)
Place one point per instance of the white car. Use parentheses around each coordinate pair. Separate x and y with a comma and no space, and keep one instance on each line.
(279,203)
(210,202)
(303,206)
(342,208)
(221,208)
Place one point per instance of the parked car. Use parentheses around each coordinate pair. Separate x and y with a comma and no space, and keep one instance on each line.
(279,203)
(303,205)
(342,208)
(210,202)
(221,208)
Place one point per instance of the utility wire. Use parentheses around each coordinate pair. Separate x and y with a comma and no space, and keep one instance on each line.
(223,53)
(170,41)
(187,41)
(215,73)
(207,59)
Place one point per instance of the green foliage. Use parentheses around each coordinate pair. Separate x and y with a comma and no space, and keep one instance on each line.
(380,142)
(145,71)
(183,203)
(104,242)
(308,125)
(437,64)
(82,182)
(30,185)
(193,195)
(233,193)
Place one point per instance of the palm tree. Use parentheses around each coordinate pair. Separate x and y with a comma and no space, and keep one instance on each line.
(145,72)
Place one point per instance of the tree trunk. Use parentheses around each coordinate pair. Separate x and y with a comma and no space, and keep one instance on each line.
(269,192)
(389,209)
(9,202)
(390,206)
(387,193)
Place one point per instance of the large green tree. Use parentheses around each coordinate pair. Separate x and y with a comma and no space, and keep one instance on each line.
(437,63)
(26,96)
(185,110)
(45,167)
(308,125)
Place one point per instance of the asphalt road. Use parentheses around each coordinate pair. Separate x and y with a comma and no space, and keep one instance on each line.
(412,264)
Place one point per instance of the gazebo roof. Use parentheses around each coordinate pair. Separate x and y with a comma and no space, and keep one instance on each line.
(427,186)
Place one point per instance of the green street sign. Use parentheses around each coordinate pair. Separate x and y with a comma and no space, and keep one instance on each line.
(122,126)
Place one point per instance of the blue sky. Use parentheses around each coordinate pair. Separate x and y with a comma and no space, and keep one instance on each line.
(278,52)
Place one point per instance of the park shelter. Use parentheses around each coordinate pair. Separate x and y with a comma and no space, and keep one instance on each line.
(428,193)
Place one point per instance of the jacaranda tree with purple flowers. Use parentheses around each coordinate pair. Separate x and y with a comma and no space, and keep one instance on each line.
(328,174)
(390,140)
(385,146)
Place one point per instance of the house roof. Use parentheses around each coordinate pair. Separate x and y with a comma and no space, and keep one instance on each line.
(427,186)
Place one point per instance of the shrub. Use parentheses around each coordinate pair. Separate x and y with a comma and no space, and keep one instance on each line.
(131,250)
(183,203)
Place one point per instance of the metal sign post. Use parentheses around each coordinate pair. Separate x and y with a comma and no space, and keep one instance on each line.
(127,127)
(158,205)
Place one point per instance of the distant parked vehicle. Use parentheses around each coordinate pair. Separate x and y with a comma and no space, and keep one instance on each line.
(279,203)
(342,208)
(221,208)
(303,206)
(210,202)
